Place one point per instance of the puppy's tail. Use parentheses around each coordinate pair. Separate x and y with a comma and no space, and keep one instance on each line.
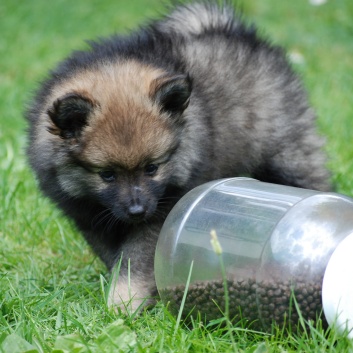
(198,18)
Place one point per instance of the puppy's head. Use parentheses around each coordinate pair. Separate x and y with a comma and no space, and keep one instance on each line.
(116,130)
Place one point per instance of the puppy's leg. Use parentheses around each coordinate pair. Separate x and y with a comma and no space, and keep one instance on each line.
(131,292)
(133,285)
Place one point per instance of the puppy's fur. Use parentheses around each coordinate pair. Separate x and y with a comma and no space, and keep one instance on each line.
(120,132)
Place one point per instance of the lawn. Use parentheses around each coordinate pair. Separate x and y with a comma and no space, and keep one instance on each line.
(52,288)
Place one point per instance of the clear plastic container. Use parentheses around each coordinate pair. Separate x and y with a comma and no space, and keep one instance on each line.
(281,247)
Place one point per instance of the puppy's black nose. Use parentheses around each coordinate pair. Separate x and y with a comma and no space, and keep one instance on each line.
(137,211)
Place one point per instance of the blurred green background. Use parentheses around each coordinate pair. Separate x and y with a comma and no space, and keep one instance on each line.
(41,254)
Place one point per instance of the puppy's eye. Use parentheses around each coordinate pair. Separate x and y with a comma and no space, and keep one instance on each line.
(107,175)
(151,169)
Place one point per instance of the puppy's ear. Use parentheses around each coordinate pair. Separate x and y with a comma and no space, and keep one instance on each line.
(172,94)
(69,115)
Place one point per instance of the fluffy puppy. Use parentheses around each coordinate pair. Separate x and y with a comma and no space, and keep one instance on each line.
(118,133)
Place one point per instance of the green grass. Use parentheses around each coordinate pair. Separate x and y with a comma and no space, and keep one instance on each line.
(52,288)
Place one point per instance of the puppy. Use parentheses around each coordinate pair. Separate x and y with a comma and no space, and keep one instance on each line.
(118,133)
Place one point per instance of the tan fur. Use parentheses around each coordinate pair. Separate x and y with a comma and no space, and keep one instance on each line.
(129,137)
(129,76)
(126,127)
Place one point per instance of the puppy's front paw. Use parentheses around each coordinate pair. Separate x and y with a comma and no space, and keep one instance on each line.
(131,296)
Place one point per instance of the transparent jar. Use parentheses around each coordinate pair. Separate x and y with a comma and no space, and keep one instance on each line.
(281,249)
